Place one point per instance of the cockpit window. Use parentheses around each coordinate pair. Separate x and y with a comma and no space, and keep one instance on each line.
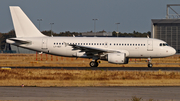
(163,44)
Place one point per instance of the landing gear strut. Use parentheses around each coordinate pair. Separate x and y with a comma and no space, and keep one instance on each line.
(149,63)
(94,63)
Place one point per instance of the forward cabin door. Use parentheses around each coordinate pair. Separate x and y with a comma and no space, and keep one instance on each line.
(149,45)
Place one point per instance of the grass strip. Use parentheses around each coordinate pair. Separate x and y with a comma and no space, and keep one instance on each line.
(57,77)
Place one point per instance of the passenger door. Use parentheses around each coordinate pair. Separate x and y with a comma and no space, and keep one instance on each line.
(44,44)
(149,45)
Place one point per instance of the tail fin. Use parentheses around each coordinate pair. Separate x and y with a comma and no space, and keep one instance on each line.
(22,24)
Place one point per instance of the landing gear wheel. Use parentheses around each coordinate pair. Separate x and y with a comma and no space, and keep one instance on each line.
(93,64)
(150,65)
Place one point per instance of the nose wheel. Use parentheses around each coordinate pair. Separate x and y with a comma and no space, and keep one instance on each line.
(149,63)
(93,63)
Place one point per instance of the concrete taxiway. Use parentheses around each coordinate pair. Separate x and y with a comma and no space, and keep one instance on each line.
(90,93)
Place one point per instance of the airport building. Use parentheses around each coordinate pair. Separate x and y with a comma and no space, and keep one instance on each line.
(168,29)
(102,34)
(15,49)
(21,50)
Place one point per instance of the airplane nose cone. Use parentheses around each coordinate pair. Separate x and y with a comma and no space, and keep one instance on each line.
(173,51)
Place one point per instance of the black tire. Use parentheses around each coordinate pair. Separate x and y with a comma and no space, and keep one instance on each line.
(93,64)
(150,65)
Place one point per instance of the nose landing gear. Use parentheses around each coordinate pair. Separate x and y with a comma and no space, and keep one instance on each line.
(149,63)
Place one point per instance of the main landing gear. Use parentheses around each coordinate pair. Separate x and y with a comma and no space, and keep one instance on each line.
(94,63)
(149,63)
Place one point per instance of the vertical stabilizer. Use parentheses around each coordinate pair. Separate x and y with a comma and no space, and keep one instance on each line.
(22,24)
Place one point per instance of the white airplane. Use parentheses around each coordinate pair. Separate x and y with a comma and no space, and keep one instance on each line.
(112,49)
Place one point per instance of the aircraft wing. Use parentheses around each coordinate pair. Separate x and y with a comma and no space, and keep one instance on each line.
(92,50)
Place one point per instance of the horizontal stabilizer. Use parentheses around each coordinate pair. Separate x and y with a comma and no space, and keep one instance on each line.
(17,41)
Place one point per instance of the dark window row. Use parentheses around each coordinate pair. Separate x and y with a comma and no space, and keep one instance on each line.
(82,43)
(124,44)
(115,44)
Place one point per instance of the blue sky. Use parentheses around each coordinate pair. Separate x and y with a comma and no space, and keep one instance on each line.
(77,15)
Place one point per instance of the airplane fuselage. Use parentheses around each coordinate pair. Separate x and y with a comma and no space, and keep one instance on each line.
(133,47)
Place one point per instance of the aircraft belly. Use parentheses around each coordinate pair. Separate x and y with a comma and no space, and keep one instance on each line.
(139,53)
(64,51)
(59,51)
(70,52)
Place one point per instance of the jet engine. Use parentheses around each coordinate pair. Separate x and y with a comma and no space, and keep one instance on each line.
(118,58)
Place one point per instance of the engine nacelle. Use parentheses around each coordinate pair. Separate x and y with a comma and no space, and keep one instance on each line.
(119,58)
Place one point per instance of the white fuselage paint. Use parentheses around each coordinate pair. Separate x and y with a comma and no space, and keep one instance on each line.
(133,47)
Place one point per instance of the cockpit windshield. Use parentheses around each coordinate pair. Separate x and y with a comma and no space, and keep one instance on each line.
(163,44)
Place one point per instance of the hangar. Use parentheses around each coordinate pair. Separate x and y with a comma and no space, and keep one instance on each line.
(168,29)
